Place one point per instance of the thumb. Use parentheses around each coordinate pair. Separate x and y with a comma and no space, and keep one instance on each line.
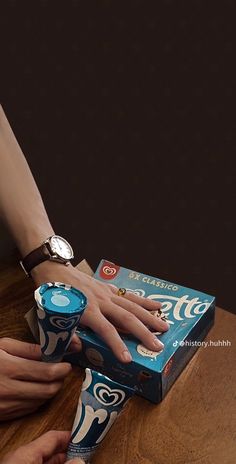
(75,344)
(75,461)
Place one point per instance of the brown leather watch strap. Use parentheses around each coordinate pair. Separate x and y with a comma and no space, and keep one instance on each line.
(37,256)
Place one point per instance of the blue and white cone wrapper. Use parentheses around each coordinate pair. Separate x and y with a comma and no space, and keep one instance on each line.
(100,402)
(59,309)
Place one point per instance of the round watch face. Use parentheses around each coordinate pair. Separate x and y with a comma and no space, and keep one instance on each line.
(61,247)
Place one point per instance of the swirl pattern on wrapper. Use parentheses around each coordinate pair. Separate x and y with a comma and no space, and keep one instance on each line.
(100,403)
(59,309)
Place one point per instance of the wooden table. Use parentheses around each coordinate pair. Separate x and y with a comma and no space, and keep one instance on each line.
(196,422)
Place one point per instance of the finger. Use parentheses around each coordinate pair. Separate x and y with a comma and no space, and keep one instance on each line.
(142,314)
(20,349)
(75,461)
(109,334)
(76,344)
(113,287)
(146,303)
(131,323)
(37,371)
(14,409)
(58,458)
(50,443)
(31,390)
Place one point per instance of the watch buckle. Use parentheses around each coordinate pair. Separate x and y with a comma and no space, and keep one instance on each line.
(26,273)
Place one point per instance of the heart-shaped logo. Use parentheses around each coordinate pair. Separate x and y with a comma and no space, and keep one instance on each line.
(108,396)
(108,270)
(136,291)
(64,322)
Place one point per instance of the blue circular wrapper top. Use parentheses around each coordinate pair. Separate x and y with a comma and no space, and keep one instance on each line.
(61,298)
(59,309)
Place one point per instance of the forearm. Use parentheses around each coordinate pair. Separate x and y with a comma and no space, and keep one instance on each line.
(21,205)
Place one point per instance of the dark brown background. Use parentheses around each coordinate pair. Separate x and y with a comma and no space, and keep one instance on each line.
(126,114)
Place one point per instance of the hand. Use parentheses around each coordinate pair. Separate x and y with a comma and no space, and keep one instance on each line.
(50,448)
(26,382)
(106,310)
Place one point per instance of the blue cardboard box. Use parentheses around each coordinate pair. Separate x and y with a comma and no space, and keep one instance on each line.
(190,314)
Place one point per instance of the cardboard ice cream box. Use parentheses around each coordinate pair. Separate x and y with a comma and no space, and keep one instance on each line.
(190,314)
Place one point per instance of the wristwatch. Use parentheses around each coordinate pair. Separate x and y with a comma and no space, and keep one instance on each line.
(55,248)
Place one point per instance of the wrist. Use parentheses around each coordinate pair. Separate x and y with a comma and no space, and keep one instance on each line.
(46,257)
(32,239)
(50,271)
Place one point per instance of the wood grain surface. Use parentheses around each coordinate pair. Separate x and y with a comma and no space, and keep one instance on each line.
(195,423)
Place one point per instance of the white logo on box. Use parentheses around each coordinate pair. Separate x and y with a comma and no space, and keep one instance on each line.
(180,307)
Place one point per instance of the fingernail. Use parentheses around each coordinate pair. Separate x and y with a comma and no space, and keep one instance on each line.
(76,461)
(78,347)
(76,344)
(77,341)
(163,321)
(166,324)
(127,356)
(158,343)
